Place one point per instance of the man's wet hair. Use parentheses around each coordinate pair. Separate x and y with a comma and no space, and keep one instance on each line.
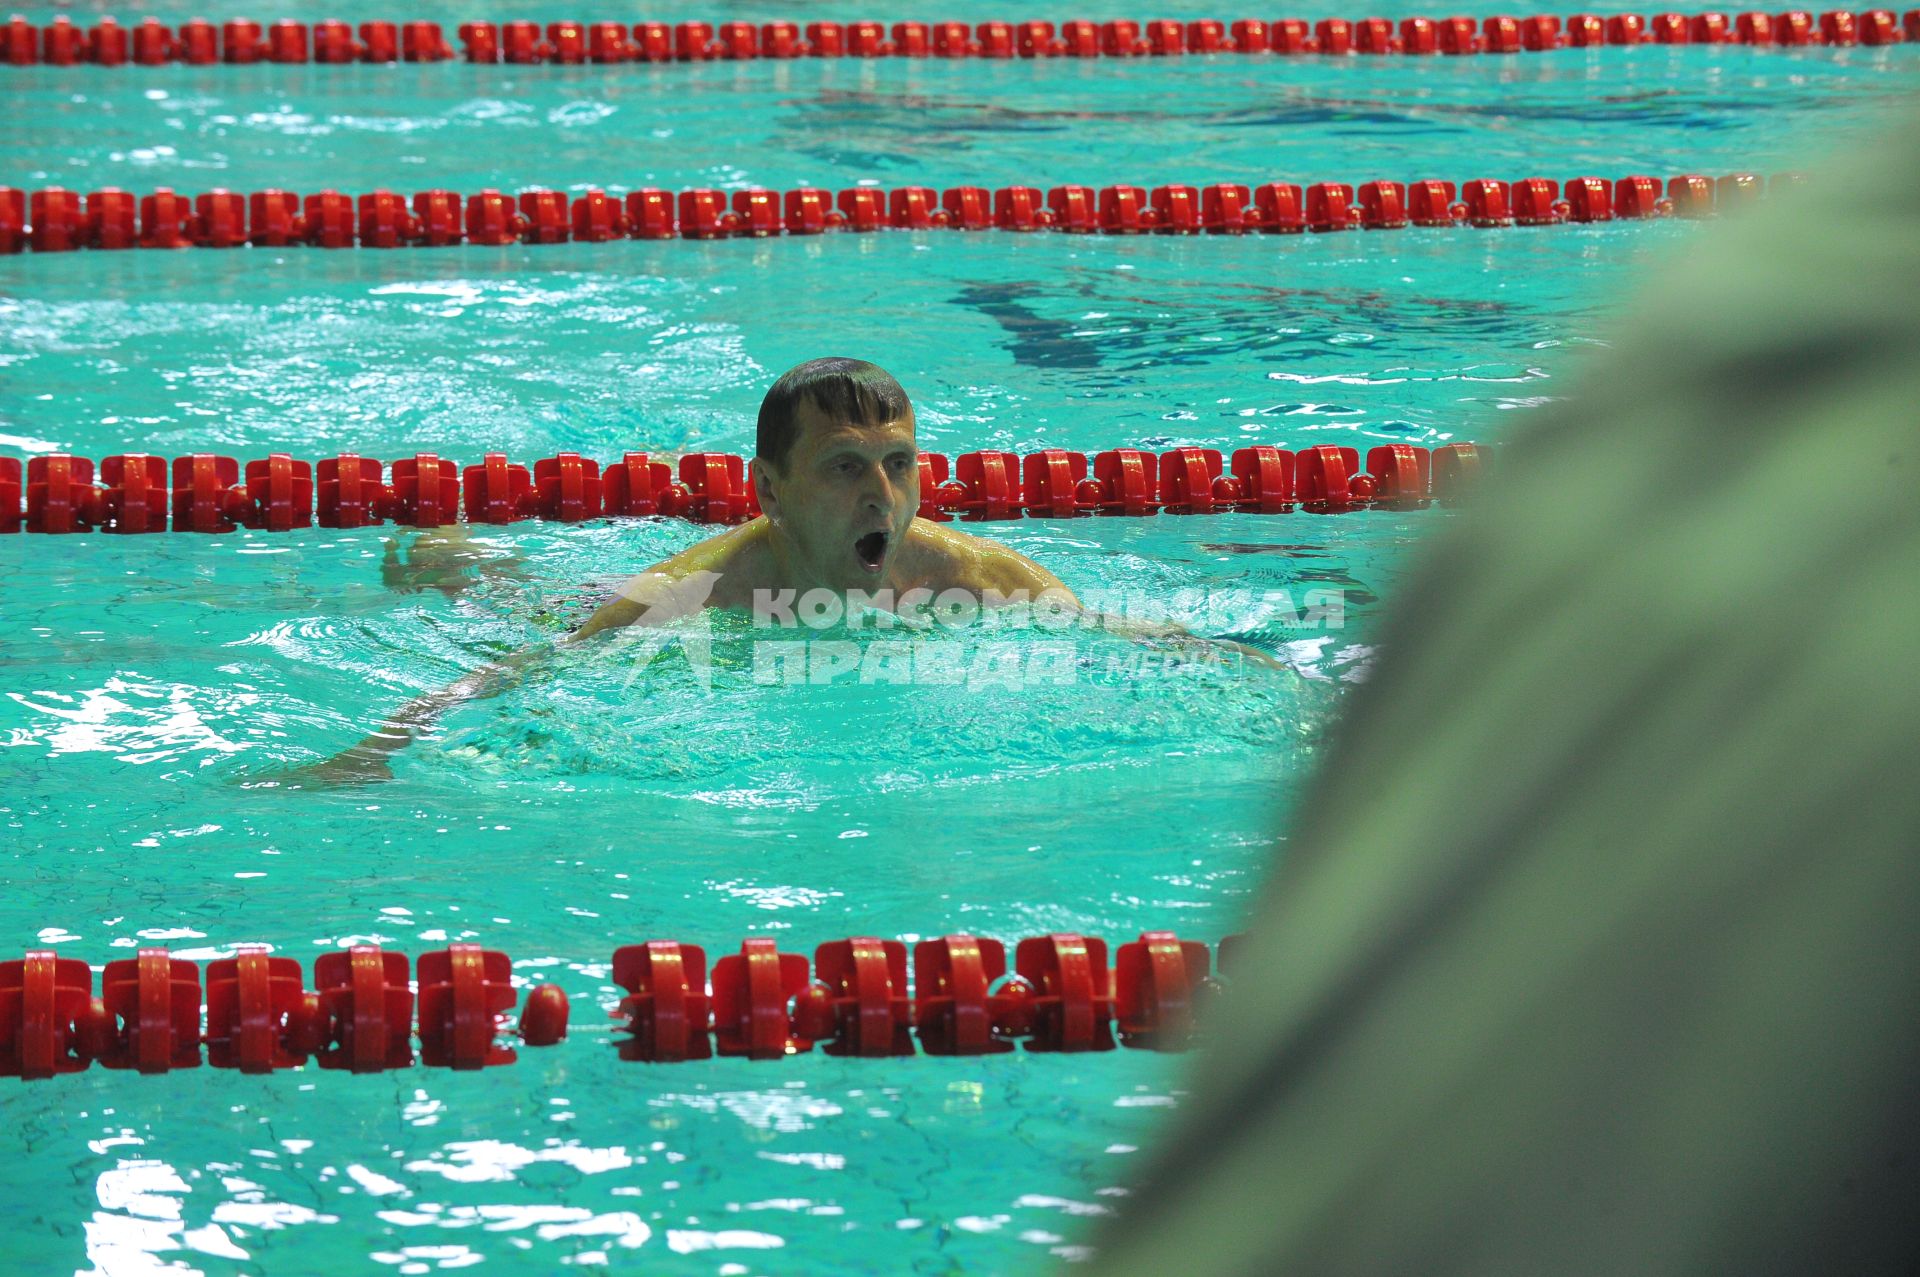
(850,390)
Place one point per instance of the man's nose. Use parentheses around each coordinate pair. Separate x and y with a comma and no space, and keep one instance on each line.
(882,494)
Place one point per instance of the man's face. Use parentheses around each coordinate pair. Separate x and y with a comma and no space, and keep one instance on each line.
(846,498)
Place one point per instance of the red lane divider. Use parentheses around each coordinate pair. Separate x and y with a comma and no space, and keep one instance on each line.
(55,220)
(362,1014)
(280,493)
(197,42)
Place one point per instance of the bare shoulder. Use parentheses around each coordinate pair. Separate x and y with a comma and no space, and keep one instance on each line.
(952,559)
(706,574)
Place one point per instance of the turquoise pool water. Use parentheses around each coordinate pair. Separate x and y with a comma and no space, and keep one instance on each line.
(152,685)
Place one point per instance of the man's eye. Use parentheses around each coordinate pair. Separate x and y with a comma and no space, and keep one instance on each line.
(847,467)
(900,465)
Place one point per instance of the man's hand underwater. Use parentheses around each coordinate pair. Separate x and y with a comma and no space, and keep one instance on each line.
(348,769)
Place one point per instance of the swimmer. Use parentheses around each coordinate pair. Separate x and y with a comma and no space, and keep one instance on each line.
(837,471)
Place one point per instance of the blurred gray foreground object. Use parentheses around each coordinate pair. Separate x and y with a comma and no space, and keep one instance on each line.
(1594,950)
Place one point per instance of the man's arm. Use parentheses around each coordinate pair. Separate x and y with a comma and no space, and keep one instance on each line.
(1009,572)
(656,596)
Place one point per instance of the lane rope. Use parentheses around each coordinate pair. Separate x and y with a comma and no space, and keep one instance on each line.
(254,1012)
(56,220)
(242,42)
(131,494)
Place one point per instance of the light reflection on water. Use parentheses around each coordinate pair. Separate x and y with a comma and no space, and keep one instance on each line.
(277,1205)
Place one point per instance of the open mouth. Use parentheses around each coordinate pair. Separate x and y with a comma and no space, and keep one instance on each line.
(871,549)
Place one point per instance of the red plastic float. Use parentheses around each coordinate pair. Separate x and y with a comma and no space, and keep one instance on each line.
(1383,206)
(751,991)
(934,468)
(954,1012)
(46,1006)
(1403,476)
(1263,480)
(281,493)
(368,1009)
(497,490)
(1157,981)
(1279,208)
(465,992)
(761,1004)
(544,1020)
(1128,482)
(1589,199)
(1072,1002)
(1488,203)
(258,1016)
(1050,481)
(1456,468)
(666,1010)
(1187,477)
(1324,479)
(1329,207)
(133,494)
(859,1005)
(713,488)
(154,1000)
(567,488)
(56,220)
(986,487)
(635,486)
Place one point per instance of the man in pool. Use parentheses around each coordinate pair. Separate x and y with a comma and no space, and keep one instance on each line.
(837,471)
(838,474)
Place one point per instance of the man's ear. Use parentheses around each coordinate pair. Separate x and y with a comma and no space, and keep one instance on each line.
(765,489)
